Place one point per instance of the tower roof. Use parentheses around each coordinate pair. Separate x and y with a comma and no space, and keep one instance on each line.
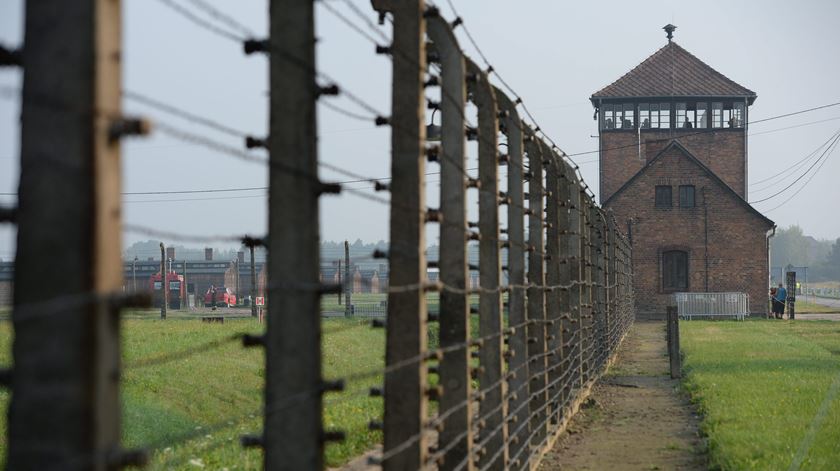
(673,72)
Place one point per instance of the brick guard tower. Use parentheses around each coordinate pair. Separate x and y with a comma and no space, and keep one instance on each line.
(673,168)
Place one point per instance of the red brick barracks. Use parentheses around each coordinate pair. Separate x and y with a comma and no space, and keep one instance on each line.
(673,158)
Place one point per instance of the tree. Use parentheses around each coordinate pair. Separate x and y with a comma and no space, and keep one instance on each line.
(789,246)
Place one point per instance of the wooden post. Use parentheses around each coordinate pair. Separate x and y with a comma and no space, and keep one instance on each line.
(536,292)
(405,388)
(164,289)
(674,342)
(492,408)
(65,408)
(348,282)
(253,281)
(518,382)
(340,282)
(293,435)
(454,316)
(790,282)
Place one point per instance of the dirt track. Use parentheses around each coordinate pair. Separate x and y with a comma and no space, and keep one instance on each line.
(635,419)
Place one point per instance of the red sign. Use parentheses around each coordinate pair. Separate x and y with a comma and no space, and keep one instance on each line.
(260,301)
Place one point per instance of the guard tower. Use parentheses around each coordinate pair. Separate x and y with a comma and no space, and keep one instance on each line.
(672,95)
(673,155)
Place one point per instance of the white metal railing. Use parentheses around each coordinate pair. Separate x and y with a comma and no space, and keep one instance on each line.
(691,305)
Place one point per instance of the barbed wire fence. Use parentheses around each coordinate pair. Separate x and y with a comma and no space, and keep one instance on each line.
(551,313)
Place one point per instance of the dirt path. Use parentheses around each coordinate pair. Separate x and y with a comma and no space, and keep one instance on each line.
(634,418)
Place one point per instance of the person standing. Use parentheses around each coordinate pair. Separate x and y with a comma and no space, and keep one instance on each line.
(781,297)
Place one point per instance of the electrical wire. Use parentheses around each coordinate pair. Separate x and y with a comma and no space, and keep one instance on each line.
(822,157)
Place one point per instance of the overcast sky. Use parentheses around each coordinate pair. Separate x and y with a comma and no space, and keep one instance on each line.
(555,54)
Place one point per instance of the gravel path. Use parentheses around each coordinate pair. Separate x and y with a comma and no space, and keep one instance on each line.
(635,419)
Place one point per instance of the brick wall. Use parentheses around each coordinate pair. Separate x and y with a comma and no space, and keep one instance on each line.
(722,150)
(737,245)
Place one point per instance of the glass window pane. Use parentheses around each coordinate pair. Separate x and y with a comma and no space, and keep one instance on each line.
(727,115)
(665,115)
(680,115)
(663,196)
(738,115)
(702,116)
(609,119)
(675,270)
(644,116)
(654,115)
(627,120)
(717,115)
(690,115)
(686,196)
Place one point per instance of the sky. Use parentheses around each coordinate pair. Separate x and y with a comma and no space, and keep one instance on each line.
(554,54)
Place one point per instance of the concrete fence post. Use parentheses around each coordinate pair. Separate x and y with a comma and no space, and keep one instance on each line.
(536,291)
(569,293)
(293,435)
(491,408)
(65,408)
(517,393)
(553,334)
(406,402)
(454,369)
(586,315)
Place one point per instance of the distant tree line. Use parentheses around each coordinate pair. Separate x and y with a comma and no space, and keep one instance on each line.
(790,246)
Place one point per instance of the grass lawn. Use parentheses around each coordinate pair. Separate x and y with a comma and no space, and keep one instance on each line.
(813,308)
(191,411)
(768,391)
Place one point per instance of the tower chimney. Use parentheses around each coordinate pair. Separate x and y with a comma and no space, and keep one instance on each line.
(208,253)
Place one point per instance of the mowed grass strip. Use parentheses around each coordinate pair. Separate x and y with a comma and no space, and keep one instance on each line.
(191,410)
(759,385)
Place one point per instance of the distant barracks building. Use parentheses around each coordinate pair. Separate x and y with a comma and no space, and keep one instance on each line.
(673,158)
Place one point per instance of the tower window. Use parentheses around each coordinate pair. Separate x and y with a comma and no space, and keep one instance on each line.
(686,196)
(688,116)
(727,115)
(702,115)
(644,115)
(629,115)
(663,196)
(681,118)
(717,114)
(674,270)
(654,115)
(608,116)
(664,115)
(738,115)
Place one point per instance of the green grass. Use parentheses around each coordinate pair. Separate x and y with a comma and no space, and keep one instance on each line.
(803,307)
(192,411)
(330,303)
(759,385)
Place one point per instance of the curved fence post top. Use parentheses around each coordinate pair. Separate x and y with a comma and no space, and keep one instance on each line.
(440,32)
